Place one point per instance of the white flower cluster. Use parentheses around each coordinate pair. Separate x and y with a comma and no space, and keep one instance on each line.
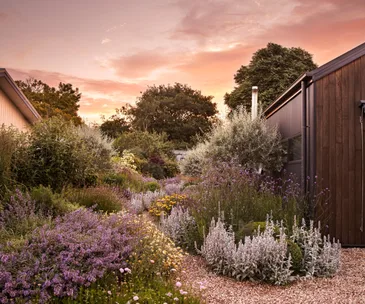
(142,201)
(321,258)
(179,226)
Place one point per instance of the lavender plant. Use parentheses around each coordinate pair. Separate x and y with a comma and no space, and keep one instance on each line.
(19,216)
(77,250)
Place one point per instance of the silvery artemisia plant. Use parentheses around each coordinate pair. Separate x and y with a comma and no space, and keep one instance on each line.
(265,257)
(142,201)
(180,226)
(321,258)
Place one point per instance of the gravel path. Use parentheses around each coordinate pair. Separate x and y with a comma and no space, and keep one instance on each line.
(348,286)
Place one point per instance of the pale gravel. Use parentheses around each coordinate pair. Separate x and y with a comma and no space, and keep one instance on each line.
(348,286)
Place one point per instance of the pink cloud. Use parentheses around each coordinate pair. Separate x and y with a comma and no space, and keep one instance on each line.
(87,86)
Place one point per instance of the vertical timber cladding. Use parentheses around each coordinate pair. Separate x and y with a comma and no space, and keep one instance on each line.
(338,151)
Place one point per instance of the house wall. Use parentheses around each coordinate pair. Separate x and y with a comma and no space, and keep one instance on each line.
(339,153)
(9,113)
(288,119)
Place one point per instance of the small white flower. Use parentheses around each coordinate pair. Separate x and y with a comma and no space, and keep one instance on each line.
(109,292)
(176,299)
(121,270)
(183,292)
(135,298)
(173,270)
(169,294)
(127,270)
(178,284)
(152,261)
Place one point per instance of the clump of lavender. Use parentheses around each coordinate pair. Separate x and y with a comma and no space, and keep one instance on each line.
(80,248)
(19,215)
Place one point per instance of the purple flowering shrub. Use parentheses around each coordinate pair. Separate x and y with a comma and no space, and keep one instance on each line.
(19,216)
(77,250)
(244,196)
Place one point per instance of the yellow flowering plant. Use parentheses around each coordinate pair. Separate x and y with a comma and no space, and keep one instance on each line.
(163,206)
(156,254)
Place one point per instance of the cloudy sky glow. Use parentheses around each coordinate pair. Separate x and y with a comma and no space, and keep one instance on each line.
(113,49)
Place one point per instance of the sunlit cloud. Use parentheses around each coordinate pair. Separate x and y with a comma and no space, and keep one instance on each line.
(105,41)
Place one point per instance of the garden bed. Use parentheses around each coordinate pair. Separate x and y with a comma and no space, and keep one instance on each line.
(346,287)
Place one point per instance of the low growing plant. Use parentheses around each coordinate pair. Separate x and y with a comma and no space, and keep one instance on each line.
(163,206)
(76,251)
(99,198)
(181,227)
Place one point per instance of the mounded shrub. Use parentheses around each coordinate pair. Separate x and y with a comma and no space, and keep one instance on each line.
(79,249)
(268,256)
(253,144)
(98,198)
(50,203)
(153,153)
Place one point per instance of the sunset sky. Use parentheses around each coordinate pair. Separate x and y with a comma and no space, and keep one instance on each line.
(113,49)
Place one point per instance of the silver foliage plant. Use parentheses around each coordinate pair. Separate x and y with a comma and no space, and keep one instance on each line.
(180,226)
(252,143)
(321,257)
(264,256)
(142,201)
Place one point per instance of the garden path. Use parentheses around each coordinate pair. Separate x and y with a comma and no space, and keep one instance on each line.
(348,286)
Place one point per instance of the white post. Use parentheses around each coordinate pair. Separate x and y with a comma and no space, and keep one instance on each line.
(255,94)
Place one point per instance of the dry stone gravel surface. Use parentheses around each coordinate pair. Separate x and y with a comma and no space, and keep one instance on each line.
(348,286)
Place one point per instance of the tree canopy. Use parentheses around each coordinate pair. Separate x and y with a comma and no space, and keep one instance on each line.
(272,69)
(115,125)
(49,101)
(177,110)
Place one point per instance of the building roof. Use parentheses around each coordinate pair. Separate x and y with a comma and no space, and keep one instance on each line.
(8,85)
(315,75)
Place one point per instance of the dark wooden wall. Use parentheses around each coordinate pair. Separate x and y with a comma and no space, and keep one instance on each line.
(338,151)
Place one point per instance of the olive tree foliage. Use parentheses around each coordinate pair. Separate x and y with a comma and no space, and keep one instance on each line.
(273,69)
(249,143)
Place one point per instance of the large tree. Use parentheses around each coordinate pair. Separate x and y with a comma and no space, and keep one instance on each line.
(49,101)
(177,110)
(272,69)
(115,125)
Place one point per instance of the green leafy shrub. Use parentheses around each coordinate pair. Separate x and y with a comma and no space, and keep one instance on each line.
(51,203)
(296,256)
(100,198)
(12,154)
(56,156)
(251,143)
(153,153)
(152,186)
